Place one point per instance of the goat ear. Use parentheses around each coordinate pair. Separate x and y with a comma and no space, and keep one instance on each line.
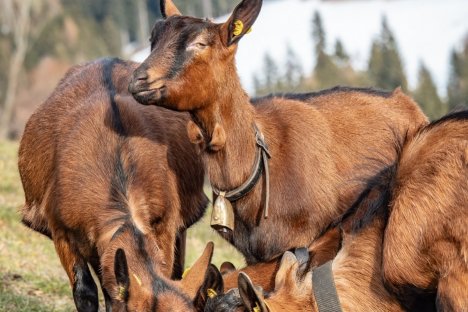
(218,138)
(251,296)
(121,275)
(195,276)
(241,21)
(227,267)
(212,287)
(168,8)
(284,272)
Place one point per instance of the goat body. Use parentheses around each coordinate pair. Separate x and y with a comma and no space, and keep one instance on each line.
(426,240)
(319,142)
(102,173)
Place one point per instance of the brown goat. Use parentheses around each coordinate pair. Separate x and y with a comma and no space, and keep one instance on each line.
(318,142)
(103,174)
(357,269)
(426,239)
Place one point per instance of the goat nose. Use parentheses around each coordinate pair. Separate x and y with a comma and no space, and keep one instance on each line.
(140,75)
(138,81)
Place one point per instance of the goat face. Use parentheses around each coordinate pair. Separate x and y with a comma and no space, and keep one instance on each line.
(192,60)
(138,293)
(153,292)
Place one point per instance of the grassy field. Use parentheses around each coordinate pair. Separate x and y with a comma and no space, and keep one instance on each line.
(31,277)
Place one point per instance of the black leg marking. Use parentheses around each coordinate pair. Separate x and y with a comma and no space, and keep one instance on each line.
(85,292)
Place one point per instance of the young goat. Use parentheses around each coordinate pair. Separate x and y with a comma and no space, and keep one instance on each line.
(426,239)
(102,174)
(318,142)
(263,274)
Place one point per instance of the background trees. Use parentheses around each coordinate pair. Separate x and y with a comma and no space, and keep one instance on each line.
(426,95)
(457,89)
(22,22)
(385,65)
(385,70)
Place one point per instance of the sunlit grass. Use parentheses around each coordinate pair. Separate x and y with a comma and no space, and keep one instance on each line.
(31,276)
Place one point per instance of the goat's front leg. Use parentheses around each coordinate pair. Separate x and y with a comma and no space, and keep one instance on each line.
(179,255)
(96,265)
(85,292)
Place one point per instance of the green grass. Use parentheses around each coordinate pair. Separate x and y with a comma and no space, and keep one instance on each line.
(31,277)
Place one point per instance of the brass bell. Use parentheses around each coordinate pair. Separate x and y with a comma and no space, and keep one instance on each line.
(222,217)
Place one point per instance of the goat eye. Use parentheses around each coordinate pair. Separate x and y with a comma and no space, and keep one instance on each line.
(197,46)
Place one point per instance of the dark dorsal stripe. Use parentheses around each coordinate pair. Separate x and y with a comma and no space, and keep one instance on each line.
(454,116)
(108,65)
(310,95)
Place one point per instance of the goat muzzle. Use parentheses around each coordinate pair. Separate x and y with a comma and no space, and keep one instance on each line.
(144,93)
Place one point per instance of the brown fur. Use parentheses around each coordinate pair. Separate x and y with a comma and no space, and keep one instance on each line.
(423,248)
(357,275)
(426,240)
(357,268)
(318,142)
(263,274)
(102,173)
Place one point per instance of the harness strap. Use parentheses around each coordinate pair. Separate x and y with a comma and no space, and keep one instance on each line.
(324,287)
(302,255)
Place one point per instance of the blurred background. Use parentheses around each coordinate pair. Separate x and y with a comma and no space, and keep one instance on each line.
(295,46)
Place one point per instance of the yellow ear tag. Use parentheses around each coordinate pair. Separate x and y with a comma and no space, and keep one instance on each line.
(121,293)
(211,293)
(185,273)
(256,308)
(137,279)
(238,28)
(249,31)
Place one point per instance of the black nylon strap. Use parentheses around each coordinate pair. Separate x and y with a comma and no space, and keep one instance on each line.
(325,293)
(302,255)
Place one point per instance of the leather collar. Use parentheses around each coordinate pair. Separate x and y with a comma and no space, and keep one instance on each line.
(260,164)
